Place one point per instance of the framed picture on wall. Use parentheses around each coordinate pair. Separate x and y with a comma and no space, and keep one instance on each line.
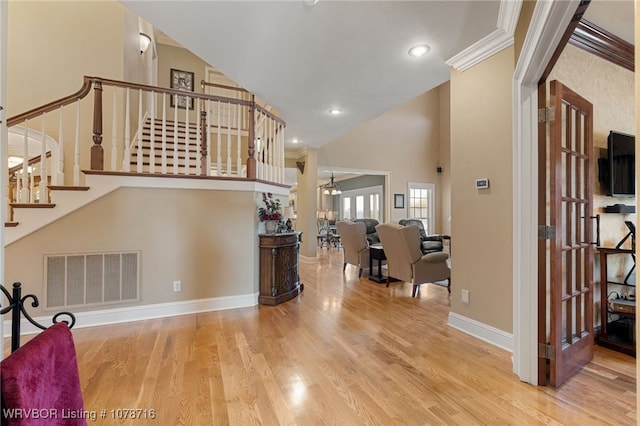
(183,81)
(398,201)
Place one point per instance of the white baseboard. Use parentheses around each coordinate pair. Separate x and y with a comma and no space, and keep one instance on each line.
(143,312)
(482,331)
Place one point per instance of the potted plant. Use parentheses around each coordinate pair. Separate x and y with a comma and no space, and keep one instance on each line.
(270,213)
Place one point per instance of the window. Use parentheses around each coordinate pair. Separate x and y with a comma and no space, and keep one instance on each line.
(362,203)
(421,204)
(346,208)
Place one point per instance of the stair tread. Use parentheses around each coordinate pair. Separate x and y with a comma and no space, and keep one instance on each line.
(32,205)
(68,188)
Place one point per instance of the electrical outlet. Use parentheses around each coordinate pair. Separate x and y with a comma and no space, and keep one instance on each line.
(177,286)
(465,297)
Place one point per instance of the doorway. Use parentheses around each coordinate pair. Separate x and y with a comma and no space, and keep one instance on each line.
(546,31)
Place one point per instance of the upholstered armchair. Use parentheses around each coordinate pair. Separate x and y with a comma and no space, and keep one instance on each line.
(405,260)
(372,235)
(353,237)
(428,243)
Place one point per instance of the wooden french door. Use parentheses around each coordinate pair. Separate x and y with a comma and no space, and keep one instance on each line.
(568,204)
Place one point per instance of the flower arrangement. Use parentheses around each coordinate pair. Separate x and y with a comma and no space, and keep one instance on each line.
(271,209)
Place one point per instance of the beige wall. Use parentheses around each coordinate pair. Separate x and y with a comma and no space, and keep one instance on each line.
(197,236)
(52,45)
(405,141)
(443,222)
(481,228)
(48,58)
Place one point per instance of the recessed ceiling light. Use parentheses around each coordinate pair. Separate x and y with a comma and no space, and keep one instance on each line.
(419,50)
(335,111)
(294,140)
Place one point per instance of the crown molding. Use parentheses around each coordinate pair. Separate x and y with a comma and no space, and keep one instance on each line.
(602,43)
(493,43)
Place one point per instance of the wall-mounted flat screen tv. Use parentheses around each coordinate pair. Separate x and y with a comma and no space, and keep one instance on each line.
(622,164)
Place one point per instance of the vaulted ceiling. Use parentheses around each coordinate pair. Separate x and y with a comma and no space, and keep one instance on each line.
(307,56)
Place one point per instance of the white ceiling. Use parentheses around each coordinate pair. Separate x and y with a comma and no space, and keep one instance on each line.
(305,59)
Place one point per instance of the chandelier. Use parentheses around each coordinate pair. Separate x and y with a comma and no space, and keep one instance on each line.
(331,188)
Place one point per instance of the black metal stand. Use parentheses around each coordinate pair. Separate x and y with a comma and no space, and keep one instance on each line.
(631,234)
(17,306)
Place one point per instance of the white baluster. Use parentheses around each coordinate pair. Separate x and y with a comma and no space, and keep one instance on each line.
(228,139)
(32,185)
(24,192)
(139,149)
(18,186)
(76,149)
(114,132)
(164,133)
(126,160)
(198,140)
(175,135)
(208,137)
(152,146)
(239,147)
(219,158)
(59,163)
(42,187)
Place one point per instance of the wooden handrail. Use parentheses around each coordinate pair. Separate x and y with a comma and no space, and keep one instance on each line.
(51,106)
(97,83)
(31,162)
(156,89)
(223,86)
(88,82)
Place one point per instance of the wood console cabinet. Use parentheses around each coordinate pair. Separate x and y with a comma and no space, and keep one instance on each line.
(279,276)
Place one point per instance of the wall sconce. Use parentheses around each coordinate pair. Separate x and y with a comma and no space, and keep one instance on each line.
(300,165)
(145,41)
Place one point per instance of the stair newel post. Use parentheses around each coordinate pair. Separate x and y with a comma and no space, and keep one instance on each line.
(229,160)
(251,160)
(164,133)
(175,135)
(239,144)
(114,132)
(219,145)
(187,139)
(208,159)
(42,187)
(152,132)
(97,152)
(139,149)
(198,144)
(204,167)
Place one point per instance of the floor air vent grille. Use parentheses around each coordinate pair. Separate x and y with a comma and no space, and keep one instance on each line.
(91,279)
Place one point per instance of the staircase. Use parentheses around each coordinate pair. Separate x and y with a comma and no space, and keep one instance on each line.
(221,138)
(184,151)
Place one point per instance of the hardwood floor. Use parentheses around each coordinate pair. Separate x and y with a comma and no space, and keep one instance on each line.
(347,351)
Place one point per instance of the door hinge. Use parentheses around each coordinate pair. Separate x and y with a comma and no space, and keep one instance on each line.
(546,351)
(546,232)
(546,114)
